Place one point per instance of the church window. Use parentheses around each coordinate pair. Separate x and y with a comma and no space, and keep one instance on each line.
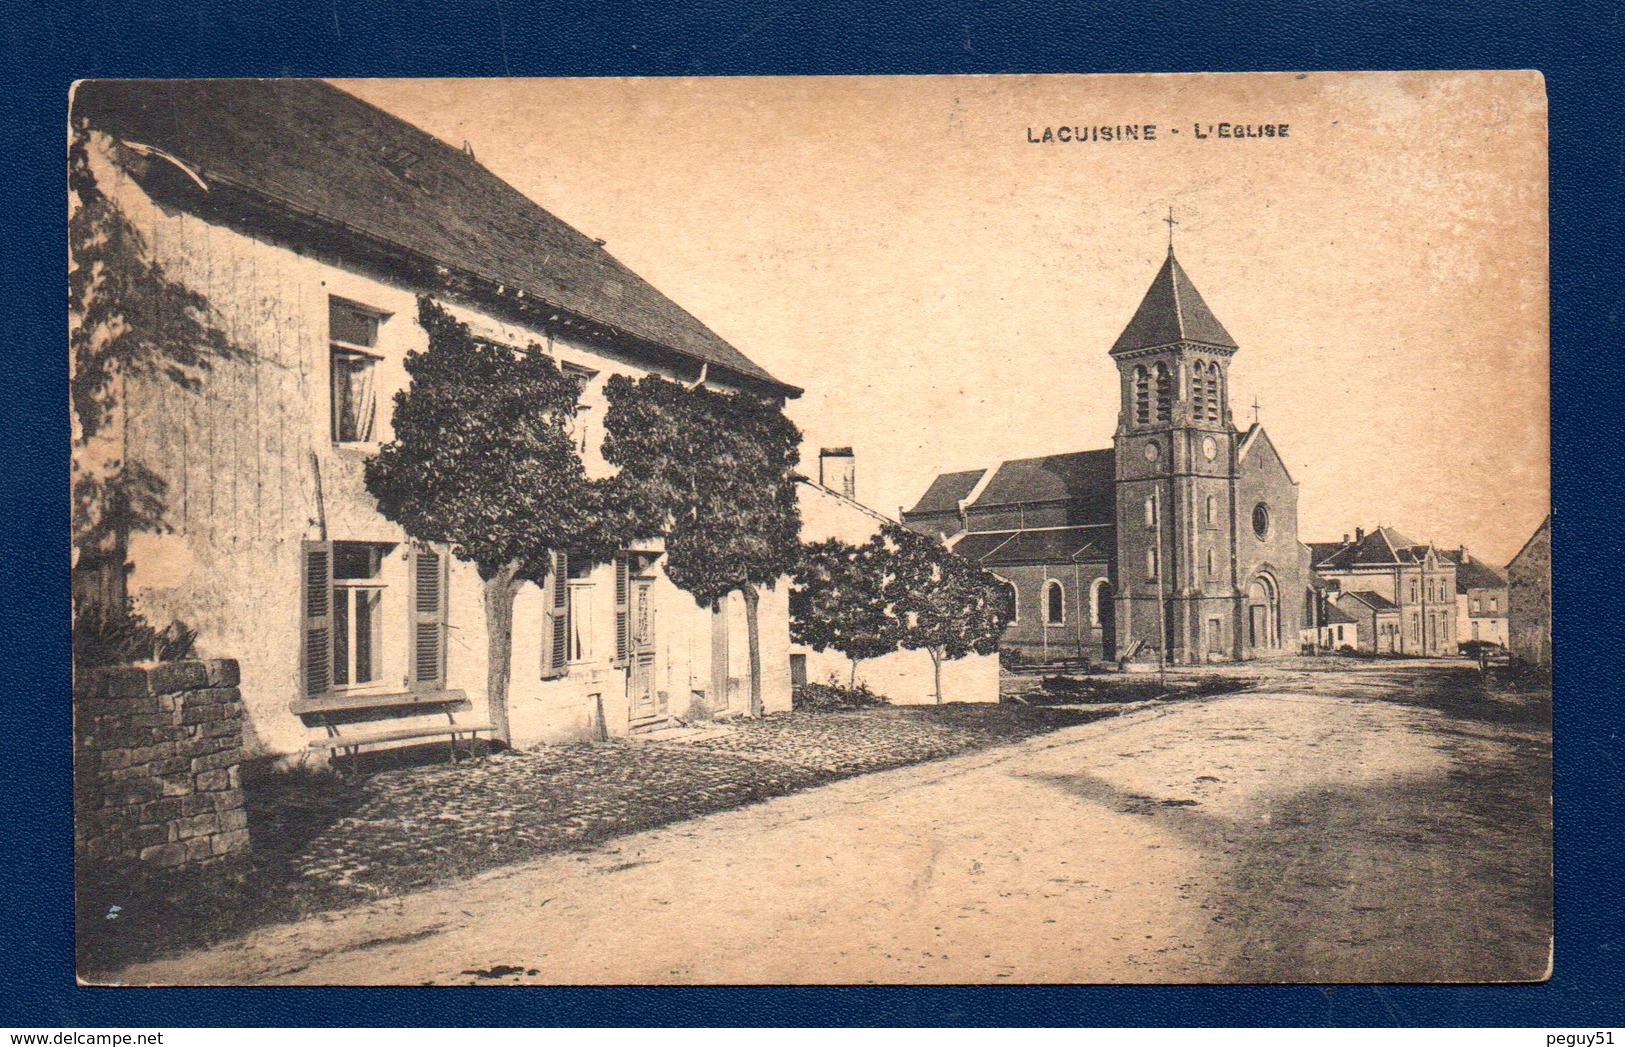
(1211,511)
(1151,511)
(1165,393)
(1151,563)
(1261,521)
(1142,396)
(1213,393)
(1199,387)
(1054,604)
(1211,570)
(1012,601)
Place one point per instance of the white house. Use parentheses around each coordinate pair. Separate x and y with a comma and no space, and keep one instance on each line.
(312,221)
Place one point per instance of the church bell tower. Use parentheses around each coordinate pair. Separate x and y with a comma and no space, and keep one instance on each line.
(1176,470)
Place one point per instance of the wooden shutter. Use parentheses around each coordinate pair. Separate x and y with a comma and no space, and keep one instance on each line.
(427,657)
(623,617)
(316,616)
(556,652)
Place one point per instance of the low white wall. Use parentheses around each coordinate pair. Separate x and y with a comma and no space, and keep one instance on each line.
(905,678)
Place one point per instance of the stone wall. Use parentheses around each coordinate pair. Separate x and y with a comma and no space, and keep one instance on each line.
(156,764)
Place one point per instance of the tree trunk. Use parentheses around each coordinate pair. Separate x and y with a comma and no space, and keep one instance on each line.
(499,593)
(936,672)
(852,677)
(753,601)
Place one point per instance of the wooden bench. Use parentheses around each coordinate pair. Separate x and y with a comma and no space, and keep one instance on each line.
(351,721)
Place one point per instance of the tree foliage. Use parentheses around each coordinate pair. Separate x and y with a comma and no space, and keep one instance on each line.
(839,600)
(711,473)
(483,458)
(483,455)
(946,605)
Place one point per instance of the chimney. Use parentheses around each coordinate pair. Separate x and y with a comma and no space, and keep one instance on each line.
(1359,534)
(837,470)
(1465,558)
(1345,538)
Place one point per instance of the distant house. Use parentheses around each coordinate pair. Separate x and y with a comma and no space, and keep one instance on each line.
(312,221)
(1340,629)
(1481,599)
(1180,538)
(829,509)
(1386,580)
(1529,598)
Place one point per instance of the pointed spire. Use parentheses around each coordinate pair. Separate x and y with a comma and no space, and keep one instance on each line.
(1172,311)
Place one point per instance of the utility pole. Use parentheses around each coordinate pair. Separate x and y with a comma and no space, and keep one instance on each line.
(1162,600)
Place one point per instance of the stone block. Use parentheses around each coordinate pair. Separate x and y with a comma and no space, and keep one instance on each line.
(125,682)
(226,727)
(230,842)
(223,672)
(178,784)
(230,800)
(224,696)
(195,714)
(165,855)
(232,820)
(219,760)
(159,811)
(198,825)
(199,849)
(171,765)
(212,781)
(169,677)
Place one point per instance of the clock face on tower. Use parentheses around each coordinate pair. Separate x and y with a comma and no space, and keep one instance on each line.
(1210,448)
(1152,452)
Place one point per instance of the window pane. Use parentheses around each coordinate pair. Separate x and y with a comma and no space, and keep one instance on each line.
(352,397)
(354,560)
(346,323)
(341,636)
(366,635)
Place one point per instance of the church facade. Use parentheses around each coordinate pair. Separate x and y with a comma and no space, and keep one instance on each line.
(1179,541)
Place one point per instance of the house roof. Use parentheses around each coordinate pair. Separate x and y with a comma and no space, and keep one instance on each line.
(1375,601)
(1092,543)
(311,150)
(1085,478)
(1335,615)
(945,492)
(1384,546)
(1172,311)
(1545,528)
(1474,574)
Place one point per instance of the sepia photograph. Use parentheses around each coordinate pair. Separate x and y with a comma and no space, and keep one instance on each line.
(905,530)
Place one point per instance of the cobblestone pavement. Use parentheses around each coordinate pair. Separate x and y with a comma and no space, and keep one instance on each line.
(322,844)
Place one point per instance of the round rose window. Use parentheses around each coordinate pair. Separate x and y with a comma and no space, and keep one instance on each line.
(1261,520)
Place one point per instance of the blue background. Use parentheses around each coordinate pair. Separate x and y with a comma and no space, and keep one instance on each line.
(1576,44)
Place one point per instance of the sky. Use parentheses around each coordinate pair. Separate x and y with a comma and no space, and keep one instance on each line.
(946,290)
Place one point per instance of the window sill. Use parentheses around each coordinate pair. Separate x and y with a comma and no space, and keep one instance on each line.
(357,450)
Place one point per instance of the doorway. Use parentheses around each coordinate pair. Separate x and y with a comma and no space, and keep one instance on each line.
(645,697)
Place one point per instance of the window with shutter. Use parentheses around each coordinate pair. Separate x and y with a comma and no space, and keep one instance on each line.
(428,636)
(623,591)
(556,644)
(316,651)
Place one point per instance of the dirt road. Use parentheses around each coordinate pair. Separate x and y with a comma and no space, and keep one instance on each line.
(1376,822)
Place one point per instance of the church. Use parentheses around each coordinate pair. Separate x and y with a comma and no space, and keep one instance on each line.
(1179,542)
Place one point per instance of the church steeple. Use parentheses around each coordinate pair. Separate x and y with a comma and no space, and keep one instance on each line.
(1172,311)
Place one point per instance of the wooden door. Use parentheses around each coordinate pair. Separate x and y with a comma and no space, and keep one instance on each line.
(645,697)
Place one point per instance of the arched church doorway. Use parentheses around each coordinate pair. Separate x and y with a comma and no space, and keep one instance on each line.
(1263,614)
(1103,615)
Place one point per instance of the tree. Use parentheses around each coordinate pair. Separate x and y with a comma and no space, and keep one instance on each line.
(128,321)
(483,458)
(712,473)
(839,601)
(946,605)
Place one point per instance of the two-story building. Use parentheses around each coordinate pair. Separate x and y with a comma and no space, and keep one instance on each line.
(1402,593)
(1481,599)
(311,222)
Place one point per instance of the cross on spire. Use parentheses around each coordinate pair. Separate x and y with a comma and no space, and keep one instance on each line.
(1255,410)
(1171,223)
